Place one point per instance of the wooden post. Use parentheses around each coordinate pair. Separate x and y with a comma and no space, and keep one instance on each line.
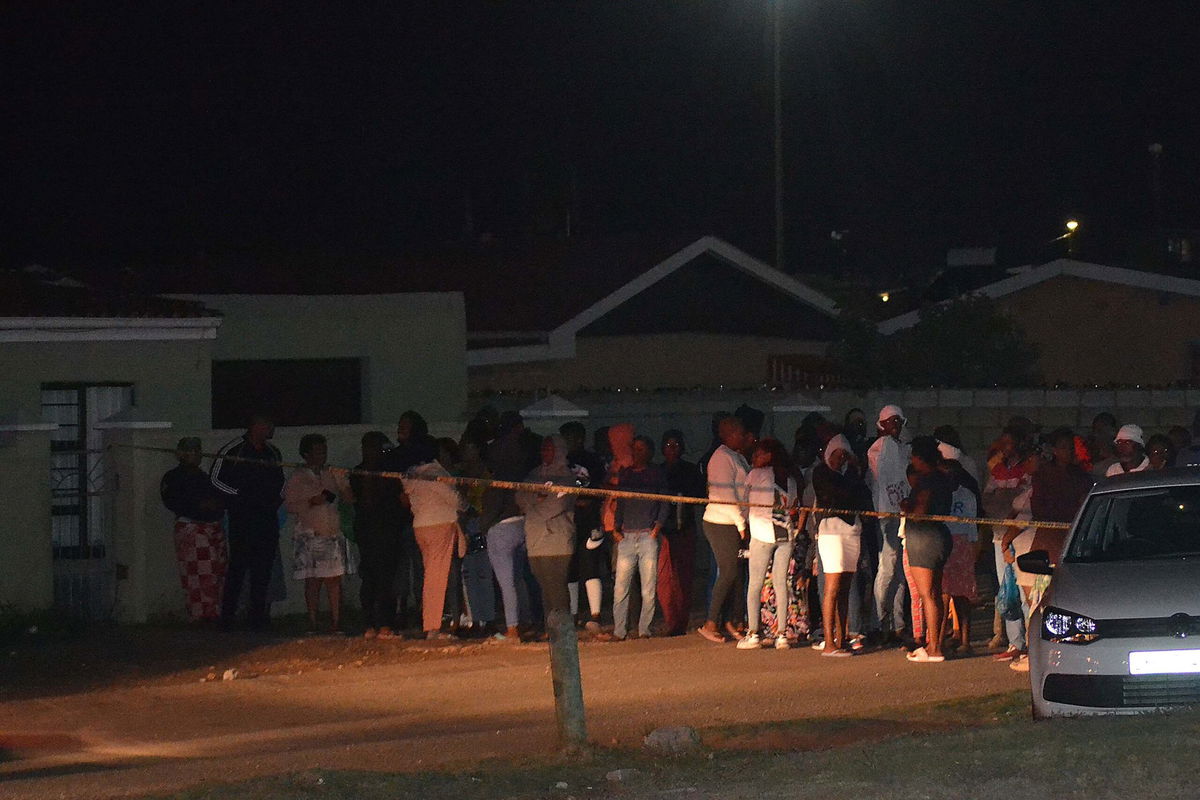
(568,683)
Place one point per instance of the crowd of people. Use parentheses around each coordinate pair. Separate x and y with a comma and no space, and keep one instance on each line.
(442,559)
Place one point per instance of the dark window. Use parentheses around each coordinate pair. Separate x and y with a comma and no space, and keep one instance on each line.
(311,391)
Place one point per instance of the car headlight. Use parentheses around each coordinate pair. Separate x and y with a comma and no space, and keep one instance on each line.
(1063,626)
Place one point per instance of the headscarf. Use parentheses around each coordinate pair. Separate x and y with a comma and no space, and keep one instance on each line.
(887,412)
(620,439)
(558,467)
(838,442)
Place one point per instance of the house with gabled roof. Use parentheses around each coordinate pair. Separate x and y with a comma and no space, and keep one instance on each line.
(1099,325)
(705,315)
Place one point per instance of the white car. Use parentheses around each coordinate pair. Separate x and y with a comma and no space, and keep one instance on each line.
(1118,630)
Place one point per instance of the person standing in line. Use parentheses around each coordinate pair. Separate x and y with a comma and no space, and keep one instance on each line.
(321,555)
(677,545)
(770,483)
(435,509)
(1130,447)
(887,462)
(504,524)
(1160,451)
(639,525)
(588,561)
(550,525)
(413,446)
(1057,491)
(248,472)
(725,525)
(837,483)
(854,428)
(376,507)
(477,576)
(927,545)
(199,511)
(958,577)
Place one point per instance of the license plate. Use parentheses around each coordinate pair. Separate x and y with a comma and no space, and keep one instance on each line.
(1159,662)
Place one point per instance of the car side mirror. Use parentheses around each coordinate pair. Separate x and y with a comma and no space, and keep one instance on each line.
(1036,562)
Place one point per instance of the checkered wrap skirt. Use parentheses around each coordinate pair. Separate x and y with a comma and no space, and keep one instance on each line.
(202,558)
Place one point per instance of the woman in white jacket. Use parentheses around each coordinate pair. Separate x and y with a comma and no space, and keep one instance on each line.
(435,508)
(772,494)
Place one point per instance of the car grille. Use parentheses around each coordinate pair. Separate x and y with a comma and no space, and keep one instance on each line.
(1122,691)
(1149,627)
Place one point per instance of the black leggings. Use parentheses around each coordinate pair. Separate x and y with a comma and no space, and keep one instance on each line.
(551,574)
(725,542)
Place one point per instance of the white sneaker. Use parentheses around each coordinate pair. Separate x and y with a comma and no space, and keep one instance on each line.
(781,643)
(749,642)
(819,645)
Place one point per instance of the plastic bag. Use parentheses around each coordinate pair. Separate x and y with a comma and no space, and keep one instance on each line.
(1008,597)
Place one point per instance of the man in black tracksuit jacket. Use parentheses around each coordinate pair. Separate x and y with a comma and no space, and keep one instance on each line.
(253,497)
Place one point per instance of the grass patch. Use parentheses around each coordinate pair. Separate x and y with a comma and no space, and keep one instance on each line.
(993,751)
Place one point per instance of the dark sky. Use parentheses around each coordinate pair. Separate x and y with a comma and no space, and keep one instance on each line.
(155,131)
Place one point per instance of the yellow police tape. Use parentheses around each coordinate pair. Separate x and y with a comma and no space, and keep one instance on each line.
(585,491)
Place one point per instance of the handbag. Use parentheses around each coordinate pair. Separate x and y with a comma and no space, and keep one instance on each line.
(1008,596)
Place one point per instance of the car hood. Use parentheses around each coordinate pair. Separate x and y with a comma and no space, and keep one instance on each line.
(1128,589)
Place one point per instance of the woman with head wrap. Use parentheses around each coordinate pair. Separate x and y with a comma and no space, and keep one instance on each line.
(837,483)
(550,524)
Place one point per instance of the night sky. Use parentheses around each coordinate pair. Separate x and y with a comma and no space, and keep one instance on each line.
(143,132)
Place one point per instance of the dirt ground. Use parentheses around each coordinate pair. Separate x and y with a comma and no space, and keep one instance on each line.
(133,711)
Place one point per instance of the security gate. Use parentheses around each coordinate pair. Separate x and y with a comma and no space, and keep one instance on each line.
(83,487)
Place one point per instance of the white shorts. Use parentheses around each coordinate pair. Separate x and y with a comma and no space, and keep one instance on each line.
(839,544)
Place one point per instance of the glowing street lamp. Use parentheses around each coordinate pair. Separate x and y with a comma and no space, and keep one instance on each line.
(1072,226)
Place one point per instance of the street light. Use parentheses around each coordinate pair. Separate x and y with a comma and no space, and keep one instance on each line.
(1072,226)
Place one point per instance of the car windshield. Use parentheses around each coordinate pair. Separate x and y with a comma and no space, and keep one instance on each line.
(1138,525)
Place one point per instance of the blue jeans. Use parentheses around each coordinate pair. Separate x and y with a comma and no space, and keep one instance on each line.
(638,550)
(775,556)
(506,551)
(477,578)
(890,587)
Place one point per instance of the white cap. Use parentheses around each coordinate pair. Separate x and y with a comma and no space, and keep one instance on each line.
(1130,433)
(887,412)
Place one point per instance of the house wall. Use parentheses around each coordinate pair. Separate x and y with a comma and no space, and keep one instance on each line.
(1094,333)
(669,360)
(172,380)
(413,346)
(26,569)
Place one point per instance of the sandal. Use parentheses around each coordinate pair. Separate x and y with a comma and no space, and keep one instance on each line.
(839,653)
(712,636)
(921,655)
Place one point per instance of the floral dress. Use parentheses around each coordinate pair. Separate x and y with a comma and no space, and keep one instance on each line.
(797,619)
